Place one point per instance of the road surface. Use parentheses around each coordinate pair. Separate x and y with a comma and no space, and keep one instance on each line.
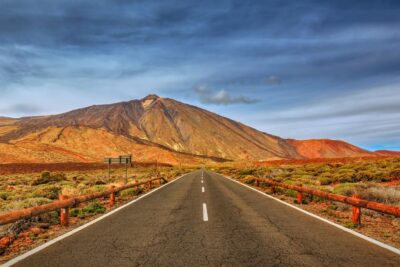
(210,221)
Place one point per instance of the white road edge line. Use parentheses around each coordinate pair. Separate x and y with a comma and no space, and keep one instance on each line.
(366,238)
(205,214)
(53,241)
(202,189)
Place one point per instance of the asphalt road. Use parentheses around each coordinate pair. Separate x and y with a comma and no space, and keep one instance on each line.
(240,228)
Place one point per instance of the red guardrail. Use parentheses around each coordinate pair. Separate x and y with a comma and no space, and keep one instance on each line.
(64,203)
(355,200)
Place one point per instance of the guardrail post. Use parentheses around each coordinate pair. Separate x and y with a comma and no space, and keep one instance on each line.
(257,183)
(356,216)
(112,196)
(299,196)
(150,185)
(64,213)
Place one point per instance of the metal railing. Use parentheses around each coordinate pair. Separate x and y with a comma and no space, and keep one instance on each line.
(64,203)
(354,200)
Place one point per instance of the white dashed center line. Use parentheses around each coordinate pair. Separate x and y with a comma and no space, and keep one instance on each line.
(202,189)
(205,214)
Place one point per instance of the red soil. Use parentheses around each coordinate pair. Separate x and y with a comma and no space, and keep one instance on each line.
(326,148)
(14,168)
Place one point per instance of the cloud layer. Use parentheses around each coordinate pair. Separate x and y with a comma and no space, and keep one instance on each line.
(221,97)
(60,55)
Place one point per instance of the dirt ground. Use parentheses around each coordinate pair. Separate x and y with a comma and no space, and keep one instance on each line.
(20,168)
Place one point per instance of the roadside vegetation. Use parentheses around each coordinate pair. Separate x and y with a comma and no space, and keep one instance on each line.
(375,180)
(24,190)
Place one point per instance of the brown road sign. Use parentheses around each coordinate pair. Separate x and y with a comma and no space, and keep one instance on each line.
(123,159)
(120,160)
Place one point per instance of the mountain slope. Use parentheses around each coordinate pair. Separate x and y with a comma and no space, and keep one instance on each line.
(325,148)
(152,128)
(164,123)
(388,153)
(82,144)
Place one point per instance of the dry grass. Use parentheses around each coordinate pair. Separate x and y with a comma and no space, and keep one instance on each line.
(383,194)
(19,191)
(31,189)
(371,178)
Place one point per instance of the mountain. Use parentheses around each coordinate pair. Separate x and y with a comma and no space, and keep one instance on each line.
(326,148)
(149,128)
(388,153)
(152,128)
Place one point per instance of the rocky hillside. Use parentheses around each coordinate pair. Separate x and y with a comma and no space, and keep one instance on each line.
(152,128)
(325,148)
(148,128)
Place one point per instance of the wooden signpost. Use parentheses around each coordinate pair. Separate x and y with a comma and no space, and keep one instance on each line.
(123,159)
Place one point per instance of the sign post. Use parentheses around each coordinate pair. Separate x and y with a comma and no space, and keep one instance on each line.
(123,159)
(109,169)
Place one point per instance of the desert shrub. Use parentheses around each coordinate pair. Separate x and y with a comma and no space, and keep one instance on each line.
(70,191)
(351,225)
(26,203)
(249,180)
(363,176)
(395,174)
(91,209)
(48,191)
(131,192)
(46,178)
(323,180)
(94,189)
(50,217)
(247,172)
(300,172)
(347,179)
(382,177)
(99,182)
(346,189)
(4,195)
(390,195)
(74,212)
(290,192)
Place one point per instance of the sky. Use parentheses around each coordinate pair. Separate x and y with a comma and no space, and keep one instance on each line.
(296,69)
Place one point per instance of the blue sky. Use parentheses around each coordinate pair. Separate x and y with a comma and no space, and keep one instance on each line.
(297,69)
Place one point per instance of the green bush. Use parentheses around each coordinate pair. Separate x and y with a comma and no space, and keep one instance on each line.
(248,171)
(46,178)
(324,180)
(50,217)
(4,195)
(47,191)
(131,192)
(346,189)
(290,192)
(91,209)
(351,224)
(250,180)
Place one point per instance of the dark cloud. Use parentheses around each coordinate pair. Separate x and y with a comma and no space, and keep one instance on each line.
(312,49)
(220,97)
